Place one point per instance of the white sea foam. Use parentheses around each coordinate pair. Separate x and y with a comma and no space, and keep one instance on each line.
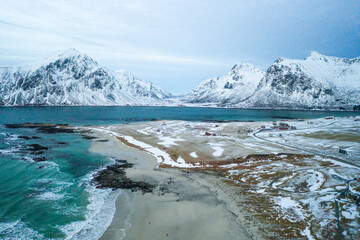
(50,196)
(13,137)
(17,230)
(100,213)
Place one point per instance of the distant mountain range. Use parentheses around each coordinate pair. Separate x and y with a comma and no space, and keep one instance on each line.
(73,78)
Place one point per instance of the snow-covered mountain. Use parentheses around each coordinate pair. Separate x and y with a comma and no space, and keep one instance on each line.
(139,88)
(317,82)
(230,89)
(73,78)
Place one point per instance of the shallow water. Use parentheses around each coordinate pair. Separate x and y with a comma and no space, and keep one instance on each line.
(49,199)
(54,199)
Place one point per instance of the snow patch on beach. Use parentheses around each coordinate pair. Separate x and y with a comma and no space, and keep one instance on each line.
(218,149)
(286,203)
(143,132)
(168,141)
(194,155)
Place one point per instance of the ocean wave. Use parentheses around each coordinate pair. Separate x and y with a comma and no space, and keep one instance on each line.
(50,196)
(10,151)
(17,230)
(99,214)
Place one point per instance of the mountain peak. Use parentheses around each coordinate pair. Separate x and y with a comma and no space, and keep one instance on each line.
(68,53)
(315,56)
(242,66)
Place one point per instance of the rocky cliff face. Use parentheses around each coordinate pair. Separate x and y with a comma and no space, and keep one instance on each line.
(71,78)
(230,89)
(317,82)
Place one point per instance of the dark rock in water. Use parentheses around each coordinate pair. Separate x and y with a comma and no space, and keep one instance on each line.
(43,127)
(38,152)
(39,159)
(102,140)
(36,147)
(24,137)
(15,125)
(85,131)
(42,166)
(62,143)
(114,177)
(55,129)
(89,137)
(28,137)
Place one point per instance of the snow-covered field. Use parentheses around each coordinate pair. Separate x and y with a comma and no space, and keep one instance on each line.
(294,183)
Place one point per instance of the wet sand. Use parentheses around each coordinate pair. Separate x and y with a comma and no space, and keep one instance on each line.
(179,208)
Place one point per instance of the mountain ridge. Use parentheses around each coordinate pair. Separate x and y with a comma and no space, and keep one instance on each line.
(69,77)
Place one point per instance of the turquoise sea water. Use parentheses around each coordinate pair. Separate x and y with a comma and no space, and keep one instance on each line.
(54,199)
(45,199)
(113,115)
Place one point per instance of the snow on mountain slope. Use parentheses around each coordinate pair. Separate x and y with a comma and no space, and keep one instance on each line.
(232,88)
(139,88)
(68,78)
(317,82)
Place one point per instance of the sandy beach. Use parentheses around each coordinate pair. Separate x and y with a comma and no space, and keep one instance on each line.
(179,208)
(236,180)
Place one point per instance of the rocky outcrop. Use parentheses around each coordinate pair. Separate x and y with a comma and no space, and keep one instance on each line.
(114,177)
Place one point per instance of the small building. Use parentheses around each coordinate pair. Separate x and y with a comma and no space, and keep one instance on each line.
(342,151)
(262,127)
(293,128)
(207,134)
(284,126)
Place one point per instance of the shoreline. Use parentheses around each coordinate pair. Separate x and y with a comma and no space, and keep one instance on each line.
(153,217)
(240,173)
(248,179)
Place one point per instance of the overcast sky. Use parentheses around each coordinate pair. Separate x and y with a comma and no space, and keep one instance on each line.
(178,43)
